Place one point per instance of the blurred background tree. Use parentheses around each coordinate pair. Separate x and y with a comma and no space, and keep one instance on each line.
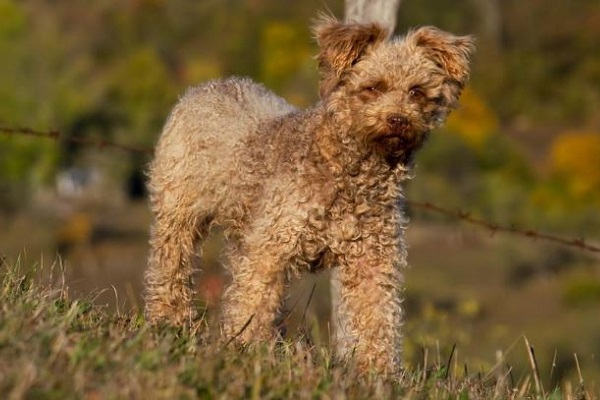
(113,71)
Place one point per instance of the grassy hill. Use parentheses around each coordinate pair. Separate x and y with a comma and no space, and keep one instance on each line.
(53,347)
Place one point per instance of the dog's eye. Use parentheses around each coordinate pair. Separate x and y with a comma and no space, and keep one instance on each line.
(416,93)
(375,88)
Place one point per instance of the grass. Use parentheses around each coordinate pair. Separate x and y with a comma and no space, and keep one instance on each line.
(54,347)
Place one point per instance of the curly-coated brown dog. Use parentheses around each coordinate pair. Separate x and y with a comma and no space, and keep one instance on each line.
(301,190)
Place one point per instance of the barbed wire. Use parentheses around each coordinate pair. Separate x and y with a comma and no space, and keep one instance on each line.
(58,136)
(493,227)
(455,214)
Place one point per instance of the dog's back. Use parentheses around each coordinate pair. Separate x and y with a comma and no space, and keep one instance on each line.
(220,113)
(196,153)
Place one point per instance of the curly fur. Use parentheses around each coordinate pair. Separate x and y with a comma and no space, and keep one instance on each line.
(302,190)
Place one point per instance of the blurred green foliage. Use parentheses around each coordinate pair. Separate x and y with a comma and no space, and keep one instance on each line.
(113,70)
(582,290)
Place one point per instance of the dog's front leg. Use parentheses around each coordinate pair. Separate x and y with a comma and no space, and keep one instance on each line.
(368,283)
(253,302)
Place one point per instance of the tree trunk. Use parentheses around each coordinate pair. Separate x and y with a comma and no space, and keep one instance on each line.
(491,21)
(383,12)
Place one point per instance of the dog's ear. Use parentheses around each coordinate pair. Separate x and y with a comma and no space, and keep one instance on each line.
(451,53)
(341,46)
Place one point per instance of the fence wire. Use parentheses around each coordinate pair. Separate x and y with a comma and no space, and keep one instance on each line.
(101,144)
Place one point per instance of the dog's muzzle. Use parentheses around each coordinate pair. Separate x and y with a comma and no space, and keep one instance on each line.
(398,125)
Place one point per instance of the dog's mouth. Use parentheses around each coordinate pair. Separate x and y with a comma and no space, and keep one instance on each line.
(403,136)
(399,145)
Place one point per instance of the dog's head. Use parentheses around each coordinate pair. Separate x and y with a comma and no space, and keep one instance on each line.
(391,92)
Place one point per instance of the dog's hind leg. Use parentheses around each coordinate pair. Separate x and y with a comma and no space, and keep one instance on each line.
(169,277)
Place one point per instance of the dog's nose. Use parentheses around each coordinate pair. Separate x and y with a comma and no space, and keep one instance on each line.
(397,122)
